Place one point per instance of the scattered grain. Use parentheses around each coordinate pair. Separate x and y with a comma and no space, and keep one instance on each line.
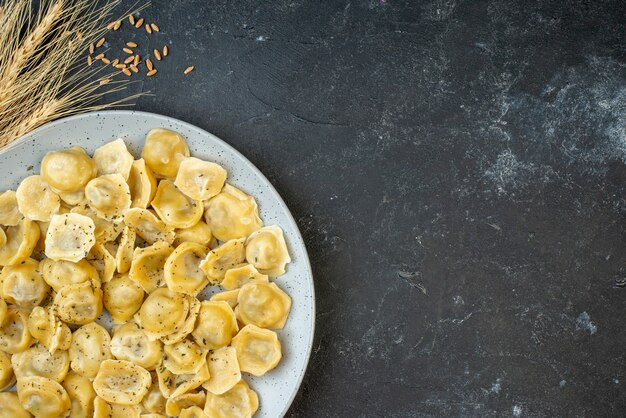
(91,48)
(188,70)
(118,25)
(139,23)
(157,54)
(115,62)
(89,60)
(126,71)
(106,61)
(149,64)
(166,50)
(120,66)
(131,19)
(129,59)
(100,42)
(127,50)
(99,56)
(148,28)
(155,27)
(137,59)
(105,81)
(134,68)
(152,72)
(131,44)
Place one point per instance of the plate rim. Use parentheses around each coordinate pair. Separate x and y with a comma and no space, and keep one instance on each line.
(22,140)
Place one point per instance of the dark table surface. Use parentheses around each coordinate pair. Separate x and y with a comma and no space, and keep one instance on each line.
(457,169)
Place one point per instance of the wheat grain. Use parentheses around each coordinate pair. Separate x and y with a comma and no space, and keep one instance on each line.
(126,71)
(148,28)
(100,42)
(127,50)
(134,68)
(92,48)
(131,44)
(131,19)
(149,64)
(139,23)
(188,70)
(99,56)
(89,60)
(106,61)
(151,72)
(166,50)
(129,59)
(136,60)
(157,54)
(155,27)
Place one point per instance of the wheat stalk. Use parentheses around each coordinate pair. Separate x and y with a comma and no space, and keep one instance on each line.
(43,75)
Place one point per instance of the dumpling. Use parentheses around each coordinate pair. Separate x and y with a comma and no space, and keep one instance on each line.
(263,304)
(3,238)
(200,233)
(182,271)
(70,237)
(176,404)
(224,370)
(10,406)
(89,349)
(229,296)
(113,158)
(104,409)
(78,303)
(7,378)
(43,397)
(163,152)
(52,333)
(181,332)
(148,226)
(174,207)
(267,251)
(3,310)
(184,357)
(106,231)
(108,196)
(147,267)
(68,170)
(193,412)
(200,180)
(232,214)
(130,343)
(142,184)
(74,198)
(258,349)
(22,284)
(173,385)
(122,298)
(36,200)
(223,258)
(125,250)
(154,402)
(216,325)
(102,260)
(240,401)
(14,335)
(37,361)
(21,241)
(81,395)
(61,273)
(10,214)
(238,276)
(122,382)
(163,312)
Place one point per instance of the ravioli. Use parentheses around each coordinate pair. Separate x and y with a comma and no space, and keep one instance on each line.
(113,158)
(36,200)
(68,170)
(200,180)
(163,152)
(174,207)
(232,214)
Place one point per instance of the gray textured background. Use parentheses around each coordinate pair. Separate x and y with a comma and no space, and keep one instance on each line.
(457,170)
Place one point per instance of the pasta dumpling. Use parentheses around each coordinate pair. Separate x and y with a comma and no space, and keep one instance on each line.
(200,180)
(122,298)
(142,184)
(148,226)
(10,406)
(267,251)
(154,402)
(131,343)
(230,297)
(14,335)
(102,260)
(174,207)
(122,382)
(181,332)
(223,258)
(7,378)
(240,401)
(78,303)
(105,231)
(36,200)
(182,271)
(108,196)
(232,214)
(113,158)
(200,233)
(163,312)
(125,250)
(68,170)
(238,276)
(62,273)
(184,357)
(173,385)
(176,404)
(22,284)
(43,397)
(20,243)
(37,361)
(73,198)
(216,325)
(10,214)
(3,310)
(70,237)
(147,268)
(258,349)
(52,333)
(81,395)
(90,347)
(3,238)
(192,412)
(224,370)
(104,409)
(263,304)
(163,152)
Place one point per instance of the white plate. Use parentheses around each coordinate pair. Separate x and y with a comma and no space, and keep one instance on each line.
(277,388)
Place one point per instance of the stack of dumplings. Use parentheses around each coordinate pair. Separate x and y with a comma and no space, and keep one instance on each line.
(139,240)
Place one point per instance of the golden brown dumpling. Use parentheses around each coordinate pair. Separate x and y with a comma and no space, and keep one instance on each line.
(182,271)
(184,357)
(154,402)
(43,397)
(90,347)
(122,298)
(200,233)
(22,284)
(147,267)
(106,231)
(192,412)
(125,250)
(267,251)
(70,237)
(78,303)
(21,241)
(224,370)
(113,158)
(61,273)
(163,312)
(108,196)
(238,276)
(232,214)
(258,349)
(102,260)
(81,394)
(263,304)
(173,385)
(148,226)
(10,214)
(163,152)
(223,258)
(122,382)
(174,207)
(200,180)
(216,325)
(68,170)
(142,184)
(36,200)
(131,343)
(51,332)
(229,296)
(176,404)
(240,401)
(14,335)
(10,406)
(37,361)
(7,378)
